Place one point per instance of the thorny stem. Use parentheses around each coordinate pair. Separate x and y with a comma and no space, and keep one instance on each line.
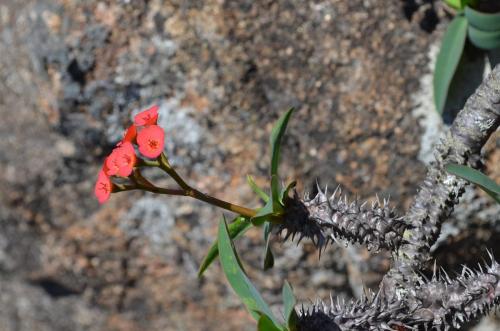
(186,190)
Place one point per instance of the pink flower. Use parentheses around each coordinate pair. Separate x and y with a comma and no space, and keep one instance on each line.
(130,134)
(150,141)
(103,187)
(121,161)
(126,159)
(147,117)
(111,166)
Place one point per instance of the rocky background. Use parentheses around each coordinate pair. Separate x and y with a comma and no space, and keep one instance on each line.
(72,74)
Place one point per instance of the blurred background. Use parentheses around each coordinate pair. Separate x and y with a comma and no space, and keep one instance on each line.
(73,73)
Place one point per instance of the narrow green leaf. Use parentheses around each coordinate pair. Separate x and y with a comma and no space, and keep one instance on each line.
(275,195)
(237,278)
(476,177)
(273,207)
(448,58)
(266,324)
(268,254)
(289,302)
(262,195)
(275,140)
(236,229)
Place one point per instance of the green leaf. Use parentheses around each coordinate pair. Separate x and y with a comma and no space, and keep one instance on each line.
(448,58)
(273,207)
(268,254)
(289,302)
(263,214)
(262,195)
(457,4)
(285,191)
(476,177)
(487,40)
(275,195)
(237,278)
(236,229)
(275,140)
(481,20)
(266,324)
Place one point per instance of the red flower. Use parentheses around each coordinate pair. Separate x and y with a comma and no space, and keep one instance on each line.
(150,141)
(103,187)
(147,117)
(121,161)
(111,166)
(126,159)
(130,134)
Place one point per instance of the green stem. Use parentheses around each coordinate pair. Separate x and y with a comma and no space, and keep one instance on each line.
(147,163)
(165,166)
(221,203)
(194,193)
(154,189)
(186,190)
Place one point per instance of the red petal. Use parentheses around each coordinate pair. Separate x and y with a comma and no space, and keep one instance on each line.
(112,162)
(151,141)
(130,134)
(102,189)
(147,117)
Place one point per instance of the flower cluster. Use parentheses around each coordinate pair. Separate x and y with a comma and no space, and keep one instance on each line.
(149,138)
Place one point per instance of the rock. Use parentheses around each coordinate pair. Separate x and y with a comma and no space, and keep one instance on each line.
(73,73)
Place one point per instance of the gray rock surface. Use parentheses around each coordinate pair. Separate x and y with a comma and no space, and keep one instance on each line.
(73,73)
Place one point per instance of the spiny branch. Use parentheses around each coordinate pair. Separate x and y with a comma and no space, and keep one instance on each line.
(440,190)
(404,298)
(325,219)
(436,304)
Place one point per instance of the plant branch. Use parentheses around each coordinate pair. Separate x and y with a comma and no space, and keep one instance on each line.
(405,298)
(141,183)
(324,219)
(440,190)
(436,304)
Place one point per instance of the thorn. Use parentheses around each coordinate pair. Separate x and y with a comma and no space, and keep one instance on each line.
(423,276)
(434,272)
(335,192)
(447,277)
(317,187)
(490,255)
(300,238)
